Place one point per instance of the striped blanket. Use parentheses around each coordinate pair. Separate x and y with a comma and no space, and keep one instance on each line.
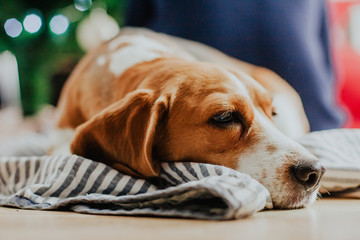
(192,190)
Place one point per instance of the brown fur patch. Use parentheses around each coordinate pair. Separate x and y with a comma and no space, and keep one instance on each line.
(264,174)
(271,148)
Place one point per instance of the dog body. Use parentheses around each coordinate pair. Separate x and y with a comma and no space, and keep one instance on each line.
(143,98)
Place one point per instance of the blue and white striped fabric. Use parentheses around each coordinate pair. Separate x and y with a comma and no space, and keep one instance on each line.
(189,190)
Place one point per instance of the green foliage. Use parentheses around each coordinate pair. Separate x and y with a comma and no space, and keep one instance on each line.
(42,54)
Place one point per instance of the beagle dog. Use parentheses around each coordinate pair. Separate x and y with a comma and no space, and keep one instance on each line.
(143,98)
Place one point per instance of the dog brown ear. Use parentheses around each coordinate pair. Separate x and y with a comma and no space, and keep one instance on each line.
(122,135)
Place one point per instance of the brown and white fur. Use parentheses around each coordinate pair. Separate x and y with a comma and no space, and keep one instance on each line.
(143,98)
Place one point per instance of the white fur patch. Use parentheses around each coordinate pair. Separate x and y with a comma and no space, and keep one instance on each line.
(139,41)
(101,60)
(140,49)
(129,56)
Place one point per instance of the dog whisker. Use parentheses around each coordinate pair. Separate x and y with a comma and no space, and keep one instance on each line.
(324,191)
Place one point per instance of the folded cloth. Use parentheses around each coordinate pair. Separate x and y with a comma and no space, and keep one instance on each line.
(339,152)
(191,190)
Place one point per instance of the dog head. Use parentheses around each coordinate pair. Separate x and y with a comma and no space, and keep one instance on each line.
(190,111)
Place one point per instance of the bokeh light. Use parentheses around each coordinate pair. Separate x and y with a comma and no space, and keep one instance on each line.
(82,5)
(32,23)
(13,27)
(59,24)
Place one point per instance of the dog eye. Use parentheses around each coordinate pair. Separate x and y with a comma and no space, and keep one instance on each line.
(224,119)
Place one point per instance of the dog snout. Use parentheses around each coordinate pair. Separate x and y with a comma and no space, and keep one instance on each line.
(308,173)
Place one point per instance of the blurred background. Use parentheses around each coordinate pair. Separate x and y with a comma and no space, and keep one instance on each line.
(345,39)
(41,41)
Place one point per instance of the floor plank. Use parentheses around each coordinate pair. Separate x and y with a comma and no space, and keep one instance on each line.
(326,219)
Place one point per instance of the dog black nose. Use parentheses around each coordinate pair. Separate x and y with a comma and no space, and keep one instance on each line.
(308,173)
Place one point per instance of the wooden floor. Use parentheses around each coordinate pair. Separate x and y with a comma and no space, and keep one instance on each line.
(326,219)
